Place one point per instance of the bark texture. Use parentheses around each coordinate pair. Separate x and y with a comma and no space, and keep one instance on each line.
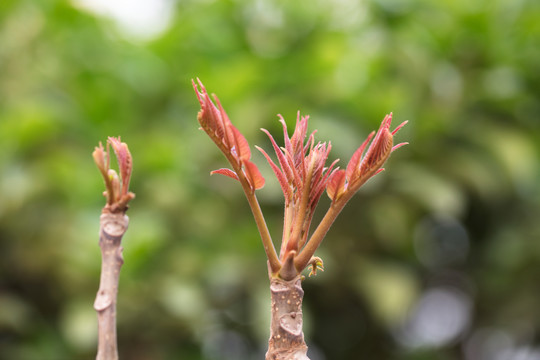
(286,335)
(112,229)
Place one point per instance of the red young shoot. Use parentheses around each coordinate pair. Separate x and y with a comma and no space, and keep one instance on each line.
(113,225)
(303,175)
(344,184)
(117,193)
(215,122)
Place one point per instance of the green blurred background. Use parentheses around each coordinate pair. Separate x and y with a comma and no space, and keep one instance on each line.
(436,258)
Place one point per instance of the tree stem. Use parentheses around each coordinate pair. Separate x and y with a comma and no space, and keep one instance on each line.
(286,336)
(112,229)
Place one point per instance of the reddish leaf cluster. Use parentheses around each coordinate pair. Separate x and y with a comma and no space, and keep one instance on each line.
(215,122)
(303,176)
(118,194)
(362,167)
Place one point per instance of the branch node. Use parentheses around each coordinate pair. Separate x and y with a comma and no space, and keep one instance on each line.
(103,300)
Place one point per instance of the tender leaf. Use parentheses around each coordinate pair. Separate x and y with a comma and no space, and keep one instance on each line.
(395,147)
(378,151)
(114,193)
(209,116)
(336,184)
(380,148)
(224,121)
(300,132)
(319,189)
(198,93)
(298,184)
(286,139)
(354,163)
(100,158)
(226,172)
(399,127)
(281,178)
(281,158)
(256,180)
(240,143)
(125,161)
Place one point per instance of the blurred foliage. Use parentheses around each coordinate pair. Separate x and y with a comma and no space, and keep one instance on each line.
(436,258)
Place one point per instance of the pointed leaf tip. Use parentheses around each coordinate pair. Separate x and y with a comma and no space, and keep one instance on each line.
(395,147)
(399,127)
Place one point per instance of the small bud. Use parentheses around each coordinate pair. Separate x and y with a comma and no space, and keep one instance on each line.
(316,264)
(117,192)
(115,185)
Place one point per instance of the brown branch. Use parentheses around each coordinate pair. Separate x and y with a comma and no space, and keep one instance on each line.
(112,228)
(286,336)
